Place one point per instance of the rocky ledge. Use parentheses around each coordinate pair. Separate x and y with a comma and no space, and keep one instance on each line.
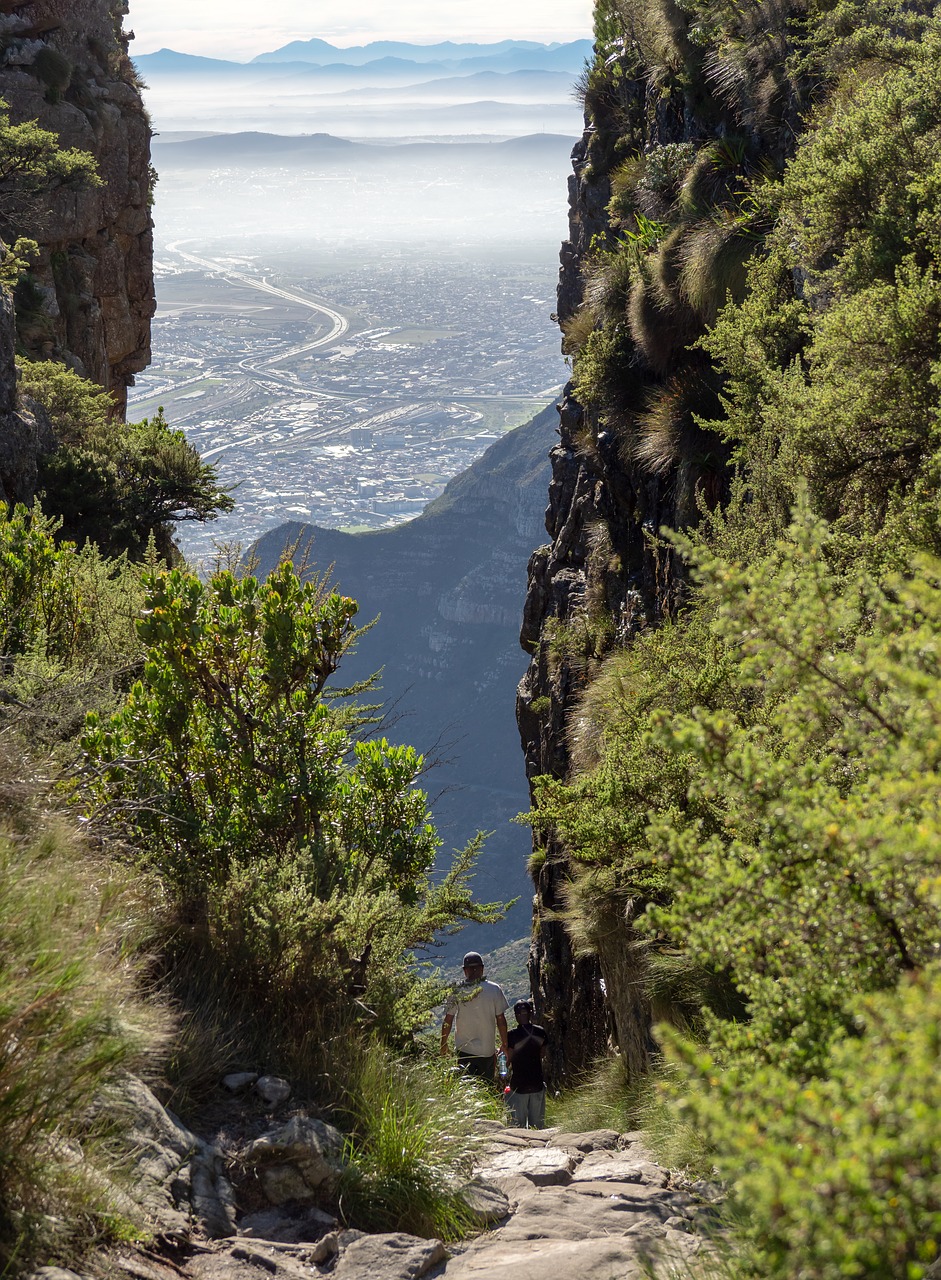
(547,1202)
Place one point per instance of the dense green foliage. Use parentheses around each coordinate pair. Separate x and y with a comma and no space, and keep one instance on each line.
(299,851)
(67,628)
(755,783)
(116,483)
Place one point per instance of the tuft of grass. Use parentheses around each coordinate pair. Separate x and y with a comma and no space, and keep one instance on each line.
(604,1101)
(610,1099)
(71,1020)
(412,1127)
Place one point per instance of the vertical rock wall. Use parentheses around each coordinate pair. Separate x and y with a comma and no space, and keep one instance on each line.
(91,297)
(593,498)
(604,576)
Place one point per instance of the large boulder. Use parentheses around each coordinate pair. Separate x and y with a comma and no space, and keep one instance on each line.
(300,1160)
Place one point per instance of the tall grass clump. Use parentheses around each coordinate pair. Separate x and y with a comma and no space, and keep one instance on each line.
(70,1022)
(606,1099)
(614,1097)
(412,1132)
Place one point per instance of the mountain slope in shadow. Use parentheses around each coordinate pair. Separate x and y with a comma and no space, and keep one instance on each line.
(448,590)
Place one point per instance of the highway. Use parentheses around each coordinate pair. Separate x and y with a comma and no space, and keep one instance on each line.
(339,322)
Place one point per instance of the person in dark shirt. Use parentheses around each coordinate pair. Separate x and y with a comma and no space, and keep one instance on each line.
(525,1046)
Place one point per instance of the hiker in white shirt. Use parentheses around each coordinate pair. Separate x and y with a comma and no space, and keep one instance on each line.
(477,1012)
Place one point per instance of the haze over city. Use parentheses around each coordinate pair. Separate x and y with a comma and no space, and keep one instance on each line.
(356,252)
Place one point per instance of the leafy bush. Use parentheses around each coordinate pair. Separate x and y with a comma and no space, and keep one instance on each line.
(67,630)
(297,856)
(115,483)
(836,1176)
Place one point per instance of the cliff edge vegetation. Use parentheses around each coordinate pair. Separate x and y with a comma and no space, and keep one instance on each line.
(739,822)
(209,860)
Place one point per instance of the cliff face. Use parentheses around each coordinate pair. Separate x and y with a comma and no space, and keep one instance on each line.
(660,236)
(90,297)
(599,559)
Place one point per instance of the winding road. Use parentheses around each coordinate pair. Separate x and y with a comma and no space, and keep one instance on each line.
(339,322)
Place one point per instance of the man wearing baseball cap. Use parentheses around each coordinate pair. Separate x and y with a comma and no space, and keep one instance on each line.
(477,1012)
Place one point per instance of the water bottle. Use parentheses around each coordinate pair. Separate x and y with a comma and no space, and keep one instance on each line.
(502,1069)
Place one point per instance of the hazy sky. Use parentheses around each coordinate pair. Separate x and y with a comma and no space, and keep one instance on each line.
(239,29)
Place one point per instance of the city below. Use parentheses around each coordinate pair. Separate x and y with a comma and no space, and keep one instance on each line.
(341,392)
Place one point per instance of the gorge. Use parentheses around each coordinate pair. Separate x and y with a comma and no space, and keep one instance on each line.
(220,875)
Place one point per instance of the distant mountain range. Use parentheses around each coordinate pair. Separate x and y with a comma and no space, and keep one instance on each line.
(323,53)
(251,148)
(380,59)
(382,67)
(384,89)
(449,588)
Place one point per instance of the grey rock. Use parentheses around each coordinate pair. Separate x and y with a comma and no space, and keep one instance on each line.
(300,1160)
(272,1090)
(507,1141)
(541,1259)
(567,1213)
(529,1137)
(487,1203)
(236,1081)
(248,1261)
(388,1257)
(621,1167)
(55,1273)
(594,1140)
(176,1177)
(305,1225)
(325,1248)
(711,1192)
(543,1166)
(677,1223)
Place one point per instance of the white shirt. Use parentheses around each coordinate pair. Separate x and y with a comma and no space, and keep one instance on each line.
(475,1019)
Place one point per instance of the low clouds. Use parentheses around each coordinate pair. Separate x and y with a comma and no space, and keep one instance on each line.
(231,28)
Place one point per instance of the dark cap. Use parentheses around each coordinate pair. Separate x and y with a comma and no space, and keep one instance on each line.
(472,957)
(523,1004)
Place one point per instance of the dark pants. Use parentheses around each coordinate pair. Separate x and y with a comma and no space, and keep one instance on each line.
(483,1068)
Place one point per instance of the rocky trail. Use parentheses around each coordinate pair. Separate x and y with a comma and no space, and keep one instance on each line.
(592,1205)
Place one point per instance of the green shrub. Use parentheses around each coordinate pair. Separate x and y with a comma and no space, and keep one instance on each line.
(838,1176)
(67,632)
(297,857)
(115,483)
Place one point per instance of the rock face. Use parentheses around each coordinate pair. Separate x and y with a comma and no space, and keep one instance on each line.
(598,518)
(176,1178)
(91,295)
(603,577)
(23,434)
